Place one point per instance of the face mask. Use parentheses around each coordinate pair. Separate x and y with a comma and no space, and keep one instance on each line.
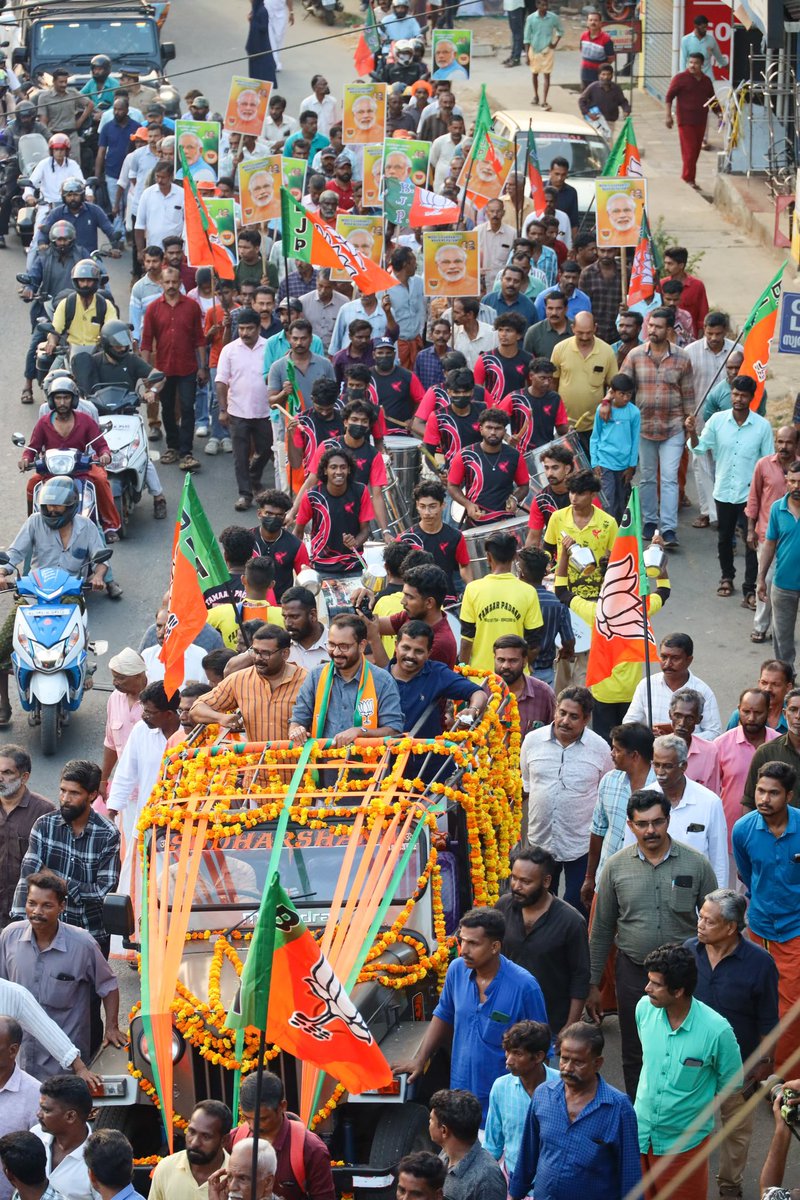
(271,523)
(461,401)
(357,431)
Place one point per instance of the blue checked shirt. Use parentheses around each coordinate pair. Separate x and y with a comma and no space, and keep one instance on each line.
(508,1110)
(595,1155)
(557,621)
(428,368)
(611,812)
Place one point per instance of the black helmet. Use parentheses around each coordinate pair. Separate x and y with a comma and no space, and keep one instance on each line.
(58,490)
(101,60)
(86,269)
(115,339)
(59,384)
(25,108)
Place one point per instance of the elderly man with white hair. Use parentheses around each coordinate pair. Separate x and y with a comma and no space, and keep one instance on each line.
(234,1181)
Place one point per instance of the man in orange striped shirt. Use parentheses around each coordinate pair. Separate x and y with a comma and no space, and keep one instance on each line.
(258,699)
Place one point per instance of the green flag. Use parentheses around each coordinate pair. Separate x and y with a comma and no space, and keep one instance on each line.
(483,124)
(624,158)
(295,404)
(257,973)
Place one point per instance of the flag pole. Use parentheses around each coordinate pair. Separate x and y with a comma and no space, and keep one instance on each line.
(644,597)
(262,1049)
(623,273)
(464,196)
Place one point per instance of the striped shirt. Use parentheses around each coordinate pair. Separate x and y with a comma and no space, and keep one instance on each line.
(556,618)
(266,708)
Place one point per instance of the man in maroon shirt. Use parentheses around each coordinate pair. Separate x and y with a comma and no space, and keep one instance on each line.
(425,591)
(175,324)
(692,90)
(693,296)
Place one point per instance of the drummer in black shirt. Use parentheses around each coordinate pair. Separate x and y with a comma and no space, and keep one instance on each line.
(316,425)
(537,413)
(490,478)
(558,464)
(436,396)
(274,541)
(457,425)
(399,391)
(505,369)
(339,511)
(444,542)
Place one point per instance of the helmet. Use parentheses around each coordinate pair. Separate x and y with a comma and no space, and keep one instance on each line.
(115,339)
(58,490)
(61,229)
(59,141)
(25,108)
(74,185)
(404,46)
(59,383)
(101,60)
(86,269)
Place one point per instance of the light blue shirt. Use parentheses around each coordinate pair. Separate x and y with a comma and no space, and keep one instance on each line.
(611,812)
(278,347)
(707,46)
(767,869)
(108,115)
(397,30)
(578,302)
(614,443)
(784,529)
(354,311)
(538,33)
(508,1108)
(735,449)
(719,400)
(408,306)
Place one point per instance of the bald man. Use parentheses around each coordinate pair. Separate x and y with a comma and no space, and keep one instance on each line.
(584,367)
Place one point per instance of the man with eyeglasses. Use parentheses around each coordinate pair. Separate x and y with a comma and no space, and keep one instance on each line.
(650,893)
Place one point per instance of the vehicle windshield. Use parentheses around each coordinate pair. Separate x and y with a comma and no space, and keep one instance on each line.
(76,42)
(233,872)
(586,154)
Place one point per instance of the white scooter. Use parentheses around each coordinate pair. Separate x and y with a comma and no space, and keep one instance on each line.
(126,435)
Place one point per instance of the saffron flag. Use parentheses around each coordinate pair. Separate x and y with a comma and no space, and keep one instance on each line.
(406,204)
(646,267)
(618,634)
(757,334)
(198,568)
(535,176)
(368,45)
(306,237)
(204,248)
(624,157)
(288,988)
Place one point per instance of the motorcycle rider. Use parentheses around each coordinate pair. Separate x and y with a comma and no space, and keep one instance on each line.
(405,69)
(81,316)
(24,122)
(48,176)
(116,364)
(65,428)
(51,273)
(86,218)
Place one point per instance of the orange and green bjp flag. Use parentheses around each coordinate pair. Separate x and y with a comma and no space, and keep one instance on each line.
(624,158)
(406,204)
(618,634)
(535,175)
(646,267)
(288,988)
(368,44)
(307,238)
(203,245)
(757,335)
(197,569)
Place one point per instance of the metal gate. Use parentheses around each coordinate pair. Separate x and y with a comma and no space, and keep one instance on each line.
(658,46)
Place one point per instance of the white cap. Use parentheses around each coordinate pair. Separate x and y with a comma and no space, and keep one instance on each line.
(128,662)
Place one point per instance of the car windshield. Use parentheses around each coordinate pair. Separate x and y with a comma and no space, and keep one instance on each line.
(233,872)
(586,154)
(76,42)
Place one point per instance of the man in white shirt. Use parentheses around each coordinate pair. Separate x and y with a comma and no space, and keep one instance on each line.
(495,242)
(192,658)
(18,1004)
(697,818)
(278,127)
(326,106)
(708,356)
(444,150)
(472,336)
(19,1091)
(64,1107)
(160,211)
(675,653)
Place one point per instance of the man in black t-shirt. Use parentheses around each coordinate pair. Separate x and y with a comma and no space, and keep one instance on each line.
(505,369)
(457,425)
(274,541)
(537,413)
(489,479)
(339,511)
(316,425)
(444,542)
(399,391)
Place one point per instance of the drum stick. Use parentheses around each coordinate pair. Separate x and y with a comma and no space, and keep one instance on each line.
(285,412)
(399,425)
(432,463)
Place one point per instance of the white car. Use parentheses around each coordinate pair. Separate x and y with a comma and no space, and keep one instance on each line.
(557,135)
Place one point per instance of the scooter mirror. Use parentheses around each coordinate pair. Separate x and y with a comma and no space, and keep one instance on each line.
(102,556)
(106,426)
(18,439)
(22,278)
(4,559)
(100,647)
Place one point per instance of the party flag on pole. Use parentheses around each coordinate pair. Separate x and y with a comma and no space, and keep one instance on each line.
(535,175)
(204,249)
(406,204)
(481,147)
(618,634)
(368,45)
(646,266)
(757,333)
(307,238)
(624,157)
(288,986)
(197,568)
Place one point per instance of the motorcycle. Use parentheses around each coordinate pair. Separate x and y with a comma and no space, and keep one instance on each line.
(327,9)
(31,149)
(74,463)
(50,644)
(127,441)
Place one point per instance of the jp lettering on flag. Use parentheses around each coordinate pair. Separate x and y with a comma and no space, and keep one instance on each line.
(618,634)
(198,568)
(203,245)
(646,267)
(757,334)
(406,204)
(624,157)
(289,988)
(307,238)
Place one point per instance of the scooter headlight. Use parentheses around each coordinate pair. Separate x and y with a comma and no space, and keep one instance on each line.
(60,462)
(48,658)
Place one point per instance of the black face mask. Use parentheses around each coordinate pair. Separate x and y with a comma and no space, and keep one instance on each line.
(271,523)
(462,403)
(357,432)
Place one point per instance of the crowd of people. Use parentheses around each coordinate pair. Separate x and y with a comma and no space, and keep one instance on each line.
(652,829)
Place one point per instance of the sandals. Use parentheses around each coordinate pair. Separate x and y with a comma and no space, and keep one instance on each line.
(758,637)
(725,587)
(169,457)
(26,396)
(5,717)
(749,602)
(701,523)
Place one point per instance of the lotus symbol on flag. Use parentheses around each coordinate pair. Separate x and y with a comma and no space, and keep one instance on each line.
(323,983)
(619,608)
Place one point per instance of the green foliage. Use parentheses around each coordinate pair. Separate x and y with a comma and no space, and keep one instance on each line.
(663,239)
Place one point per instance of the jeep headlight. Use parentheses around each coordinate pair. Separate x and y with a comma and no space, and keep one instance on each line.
(178,1047)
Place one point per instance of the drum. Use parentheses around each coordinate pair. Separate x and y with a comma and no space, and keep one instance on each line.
(534,458)
(476,540)
(403,472)
(374,574)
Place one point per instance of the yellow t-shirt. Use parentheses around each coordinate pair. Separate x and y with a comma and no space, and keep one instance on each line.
(85,328)
(223,618)
(498,605)
(624,679)
(598,535)
(581,382)
(387,606)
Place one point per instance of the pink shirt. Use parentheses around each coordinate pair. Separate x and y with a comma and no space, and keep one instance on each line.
(703,766)
(734,754)
(769,484)
(242,370)
(121,716)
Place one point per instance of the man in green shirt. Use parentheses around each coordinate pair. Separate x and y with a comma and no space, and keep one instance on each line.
(690,1056)
(539,43)
(651,894)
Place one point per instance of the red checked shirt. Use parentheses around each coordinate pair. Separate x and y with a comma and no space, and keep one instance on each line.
(177,330)
(664,390)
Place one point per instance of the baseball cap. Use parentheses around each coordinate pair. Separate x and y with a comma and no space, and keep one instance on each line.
(342,159)
(384,341)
